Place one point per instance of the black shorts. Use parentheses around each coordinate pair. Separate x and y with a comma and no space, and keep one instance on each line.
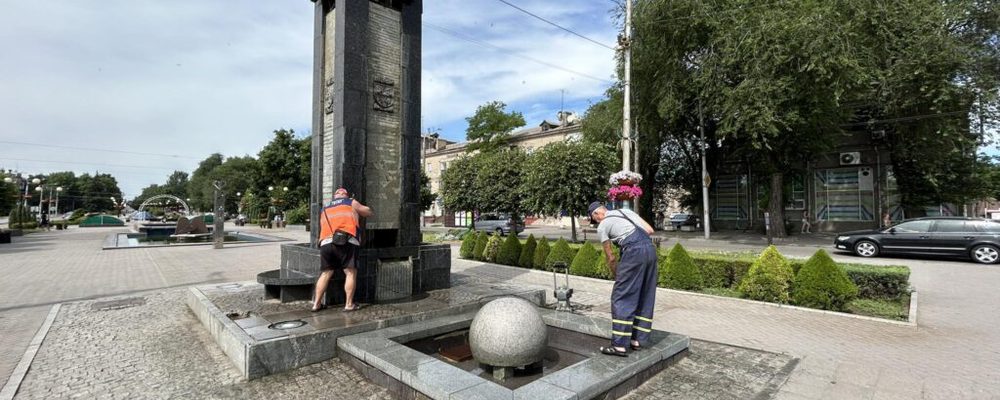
(336,257)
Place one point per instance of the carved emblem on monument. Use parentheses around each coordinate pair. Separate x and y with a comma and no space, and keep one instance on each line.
(328,97)
(384,93)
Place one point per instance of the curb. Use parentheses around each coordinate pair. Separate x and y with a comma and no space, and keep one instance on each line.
(14,382)
(911,320)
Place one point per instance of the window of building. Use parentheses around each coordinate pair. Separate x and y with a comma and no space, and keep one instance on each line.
(844,194)
(731,197)
(797,195)
(444,166)
(430,167)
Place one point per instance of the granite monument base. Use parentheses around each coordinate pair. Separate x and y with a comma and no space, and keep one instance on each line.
(384,357)
(263,337)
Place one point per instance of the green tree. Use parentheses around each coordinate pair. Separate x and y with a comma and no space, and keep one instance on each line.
(200,185)
(8,197)
(458,185)
(527,253)
(498,183)
(491,125)
(510,252)
(541,253)
(769,277)
(821,283)
(679,271)
(567,177)
(284,162)
(96,192)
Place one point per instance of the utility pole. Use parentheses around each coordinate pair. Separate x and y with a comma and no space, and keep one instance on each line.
(705,179)
(625,42)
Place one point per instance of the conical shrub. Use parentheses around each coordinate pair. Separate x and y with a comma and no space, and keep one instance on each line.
(468,245)
(510,251)
(527,253)
(541,253)
(561,252)
(679,271)
(481,239)
(769,278)
(821,283)
(492,249)
(585,261)
(601,269)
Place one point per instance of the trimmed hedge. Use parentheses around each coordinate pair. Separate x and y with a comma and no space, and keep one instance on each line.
(769,278)
(541,253)
(585,262)
(481,239)
(823,284)
(560,253)
(468,246)
(492,249)
(510,251)
(527,253)
(679,271)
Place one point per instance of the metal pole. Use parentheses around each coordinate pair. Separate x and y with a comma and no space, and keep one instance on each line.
(626,112)
(705,179)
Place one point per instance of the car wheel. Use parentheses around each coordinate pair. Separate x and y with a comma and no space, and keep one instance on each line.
(500,231)
(866,248)
(985,254)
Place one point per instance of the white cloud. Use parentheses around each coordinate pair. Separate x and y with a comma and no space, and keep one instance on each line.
(192,77)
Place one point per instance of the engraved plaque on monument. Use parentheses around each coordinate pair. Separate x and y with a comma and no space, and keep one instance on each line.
(366,138)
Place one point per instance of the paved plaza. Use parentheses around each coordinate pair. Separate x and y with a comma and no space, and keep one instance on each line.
(157,349)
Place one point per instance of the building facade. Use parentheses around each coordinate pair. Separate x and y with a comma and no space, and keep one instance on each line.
(440,153)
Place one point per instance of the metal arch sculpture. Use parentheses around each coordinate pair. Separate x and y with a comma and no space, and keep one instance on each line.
(187,209)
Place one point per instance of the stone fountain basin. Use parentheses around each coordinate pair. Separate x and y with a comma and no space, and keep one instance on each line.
(384,358)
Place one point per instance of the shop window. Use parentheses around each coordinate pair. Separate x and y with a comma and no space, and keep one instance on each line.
(844,194)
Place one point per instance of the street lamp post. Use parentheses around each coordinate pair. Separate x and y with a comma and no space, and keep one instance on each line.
(41,199)
(59,189)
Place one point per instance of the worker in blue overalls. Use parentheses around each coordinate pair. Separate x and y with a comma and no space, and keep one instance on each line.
(634,293)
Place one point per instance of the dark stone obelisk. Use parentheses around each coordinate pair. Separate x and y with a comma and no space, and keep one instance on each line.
(366,138)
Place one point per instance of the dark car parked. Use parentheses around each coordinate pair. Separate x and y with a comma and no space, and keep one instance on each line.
(975,238)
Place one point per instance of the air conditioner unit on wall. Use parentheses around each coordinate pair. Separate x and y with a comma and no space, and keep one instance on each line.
(851,158)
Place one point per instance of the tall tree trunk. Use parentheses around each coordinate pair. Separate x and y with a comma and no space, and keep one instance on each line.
(777,205)
(572,224)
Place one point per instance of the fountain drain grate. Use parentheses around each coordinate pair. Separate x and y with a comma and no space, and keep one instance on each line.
(118,304)
(285,325)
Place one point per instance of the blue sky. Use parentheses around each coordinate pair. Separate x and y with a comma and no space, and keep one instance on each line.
(182,79)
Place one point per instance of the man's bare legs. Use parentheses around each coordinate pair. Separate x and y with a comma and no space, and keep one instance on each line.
(350,274)
(321,283)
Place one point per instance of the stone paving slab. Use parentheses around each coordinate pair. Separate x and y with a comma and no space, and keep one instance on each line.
(158,350)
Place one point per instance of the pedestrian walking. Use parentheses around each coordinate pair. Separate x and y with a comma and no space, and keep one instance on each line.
(634,291)
(338,245)
(806,225)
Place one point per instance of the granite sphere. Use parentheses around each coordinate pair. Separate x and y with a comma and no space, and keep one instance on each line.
(508,332)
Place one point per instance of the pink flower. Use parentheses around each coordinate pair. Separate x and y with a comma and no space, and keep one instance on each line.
(624,192)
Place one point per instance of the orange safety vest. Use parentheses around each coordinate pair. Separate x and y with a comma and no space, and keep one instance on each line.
(338,216)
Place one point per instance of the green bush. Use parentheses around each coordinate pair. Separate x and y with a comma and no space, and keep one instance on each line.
(541,253)
(527,253)
(560,253)
(24,225)
(297,215)
(823,284)
(510,251)
(679,271)
(492,249)
(585,262)
(481,239)
(468,246)
(879,282)
(768,278)
(601,268)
